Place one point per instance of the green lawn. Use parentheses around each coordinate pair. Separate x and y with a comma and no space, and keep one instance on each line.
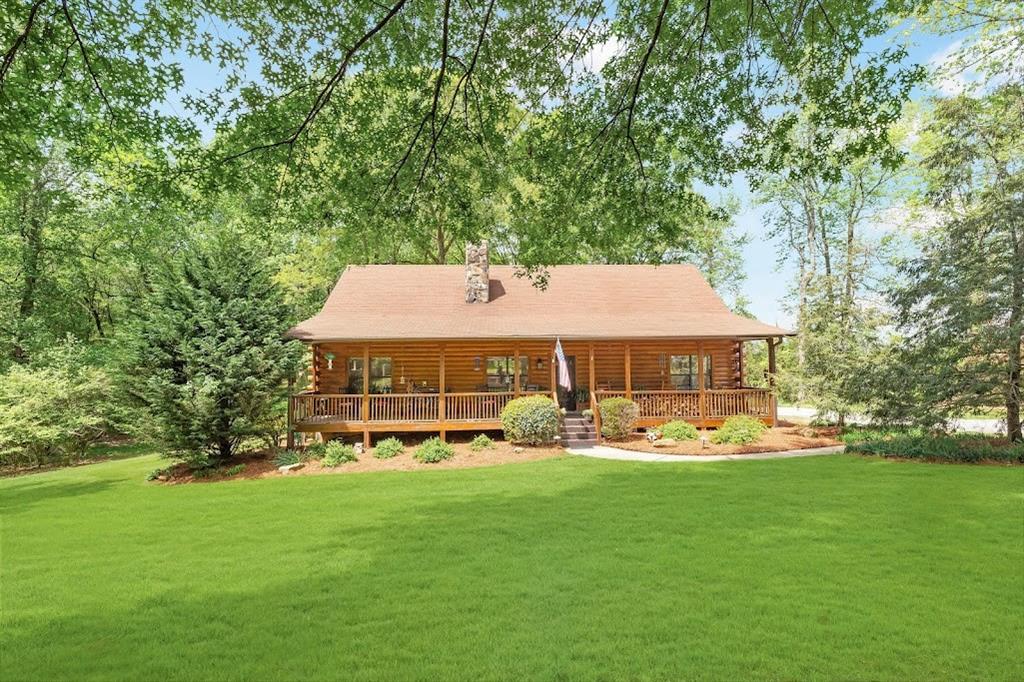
(823,567)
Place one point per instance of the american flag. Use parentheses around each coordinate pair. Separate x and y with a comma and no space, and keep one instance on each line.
(563,367)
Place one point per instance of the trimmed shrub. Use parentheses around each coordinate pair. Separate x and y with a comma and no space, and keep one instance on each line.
(434,450)
(531,421)
(234,470)
(618,417)
(678,430)
(314,451)
(739,430)
(481,442)
(287,457)
(338,453)
(966,448)
(388,448)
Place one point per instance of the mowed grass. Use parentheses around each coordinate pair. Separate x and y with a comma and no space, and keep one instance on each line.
(834,567)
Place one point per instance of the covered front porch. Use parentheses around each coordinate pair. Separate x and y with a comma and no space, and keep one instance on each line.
(397,386)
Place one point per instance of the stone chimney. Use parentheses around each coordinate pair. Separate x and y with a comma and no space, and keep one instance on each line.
(478,281)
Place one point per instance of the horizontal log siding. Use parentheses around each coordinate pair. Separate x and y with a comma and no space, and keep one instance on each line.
(418,363)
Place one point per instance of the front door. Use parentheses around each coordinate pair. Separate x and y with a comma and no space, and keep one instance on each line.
(567,397)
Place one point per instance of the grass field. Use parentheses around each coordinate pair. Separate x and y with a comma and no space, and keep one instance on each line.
(834,567)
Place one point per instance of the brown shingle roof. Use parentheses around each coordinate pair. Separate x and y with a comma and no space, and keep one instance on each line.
(580,301)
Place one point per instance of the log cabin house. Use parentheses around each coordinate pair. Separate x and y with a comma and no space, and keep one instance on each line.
(439,348)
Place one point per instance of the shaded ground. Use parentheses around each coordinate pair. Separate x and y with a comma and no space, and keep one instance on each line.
(832,567)
(776,439)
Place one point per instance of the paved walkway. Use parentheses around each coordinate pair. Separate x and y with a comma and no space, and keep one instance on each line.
(994,426)
(607,452)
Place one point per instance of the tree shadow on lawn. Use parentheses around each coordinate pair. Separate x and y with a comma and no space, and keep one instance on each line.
(23,494)
(634,571)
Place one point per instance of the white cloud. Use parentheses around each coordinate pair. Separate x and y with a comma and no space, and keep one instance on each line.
(948,79)
(599,55)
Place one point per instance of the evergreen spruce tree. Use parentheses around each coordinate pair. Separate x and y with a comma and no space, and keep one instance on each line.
(209,358)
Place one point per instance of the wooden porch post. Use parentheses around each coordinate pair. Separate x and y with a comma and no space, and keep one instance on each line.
(629,373)
(314,367)
(290,443)
(592,380)
(515,376)
(771,380)
(366,395)
(702,394)
(739,347)
(440,392)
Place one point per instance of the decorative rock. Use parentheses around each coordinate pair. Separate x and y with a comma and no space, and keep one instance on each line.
(652,436)
(517,450)
(163,477)
(288,468)
(665,443)
(358,447)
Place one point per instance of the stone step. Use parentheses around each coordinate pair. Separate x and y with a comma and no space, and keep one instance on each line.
(578,428)
(585,443)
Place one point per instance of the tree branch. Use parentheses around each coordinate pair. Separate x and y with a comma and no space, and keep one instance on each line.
(11,53)
(324,96)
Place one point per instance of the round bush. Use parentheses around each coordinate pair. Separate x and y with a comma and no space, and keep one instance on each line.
(388,448)
(434,450)
(531,421)
(739,430)
(678,430)
(337,453)
(618,417)
(481,442)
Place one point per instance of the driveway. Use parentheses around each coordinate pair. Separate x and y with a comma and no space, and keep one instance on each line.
(994,426)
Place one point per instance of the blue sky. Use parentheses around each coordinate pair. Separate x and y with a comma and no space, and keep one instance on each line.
(766,283)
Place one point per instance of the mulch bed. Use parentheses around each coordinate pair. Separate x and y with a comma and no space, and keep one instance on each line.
(777,439)
(261,465)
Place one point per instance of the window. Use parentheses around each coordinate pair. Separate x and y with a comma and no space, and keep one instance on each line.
(501,371)
(380,375)
(683,371)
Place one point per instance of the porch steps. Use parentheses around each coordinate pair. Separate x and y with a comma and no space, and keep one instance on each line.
(577,432)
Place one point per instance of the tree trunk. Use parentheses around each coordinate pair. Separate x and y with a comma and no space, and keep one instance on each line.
(1016,322)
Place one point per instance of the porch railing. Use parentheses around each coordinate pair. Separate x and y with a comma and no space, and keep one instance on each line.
(718,403)
(313,408)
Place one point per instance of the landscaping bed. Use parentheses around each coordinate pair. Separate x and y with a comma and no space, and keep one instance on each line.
(776,439)
(913,444)
(263,464)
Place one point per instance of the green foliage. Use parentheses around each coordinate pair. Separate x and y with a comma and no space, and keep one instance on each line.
(52,413)
(208,358)
(959,300)
(481,442)
(678,430)
(157,473)
(287,458)
(739,430)
(434,450)
(338,453)
(315,450)
(531,420)
(966,448)
(234,470)
(618,417)
(388,448)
